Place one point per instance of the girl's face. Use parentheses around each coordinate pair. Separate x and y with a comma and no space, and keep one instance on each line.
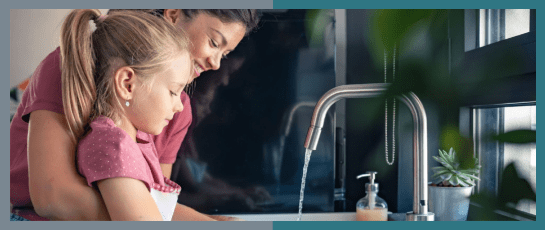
(154,104)
(211,39)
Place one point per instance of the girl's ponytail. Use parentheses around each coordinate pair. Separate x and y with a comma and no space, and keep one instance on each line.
(77,68)
(89,59)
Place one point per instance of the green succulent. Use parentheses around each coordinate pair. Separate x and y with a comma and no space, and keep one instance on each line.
(450,172)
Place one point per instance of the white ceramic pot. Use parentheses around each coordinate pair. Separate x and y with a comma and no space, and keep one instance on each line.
(449,203)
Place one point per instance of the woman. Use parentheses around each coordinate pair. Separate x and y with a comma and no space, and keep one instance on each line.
(49,183)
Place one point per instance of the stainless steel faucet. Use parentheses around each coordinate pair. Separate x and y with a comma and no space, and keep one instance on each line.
(420,136)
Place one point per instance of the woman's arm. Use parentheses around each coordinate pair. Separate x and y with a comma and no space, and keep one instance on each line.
(57,191)
(128,199)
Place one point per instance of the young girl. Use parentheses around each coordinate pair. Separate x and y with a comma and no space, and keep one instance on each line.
(121,85)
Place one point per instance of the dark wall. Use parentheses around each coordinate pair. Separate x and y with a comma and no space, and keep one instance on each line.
(364,122)
(239,121)
(418,64)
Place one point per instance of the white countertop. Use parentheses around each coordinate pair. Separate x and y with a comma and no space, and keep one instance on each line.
(338,216)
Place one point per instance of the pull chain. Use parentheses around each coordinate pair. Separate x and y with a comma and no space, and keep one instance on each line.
(386,111)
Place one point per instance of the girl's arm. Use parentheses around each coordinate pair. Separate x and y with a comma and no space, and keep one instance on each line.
(57,191)
(128,199)
(166,169)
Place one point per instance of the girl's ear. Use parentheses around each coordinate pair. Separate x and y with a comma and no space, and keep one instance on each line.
(173,15)
(125,80)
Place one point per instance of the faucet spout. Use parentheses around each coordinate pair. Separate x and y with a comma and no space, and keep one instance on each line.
(420,136)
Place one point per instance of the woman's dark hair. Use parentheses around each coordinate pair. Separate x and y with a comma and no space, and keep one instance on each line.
(248,17)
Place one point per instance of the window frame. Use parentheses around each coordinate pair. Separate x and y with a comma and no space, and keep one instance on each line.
(490,176)
(519,84)
(469,68)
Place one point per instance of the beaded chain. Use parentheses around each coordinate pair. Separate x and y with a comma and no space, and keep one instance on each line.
(386,111)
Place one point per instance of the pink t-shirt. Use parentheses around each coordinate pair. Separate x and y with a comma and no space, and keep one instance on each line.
(108,152)
(44,92)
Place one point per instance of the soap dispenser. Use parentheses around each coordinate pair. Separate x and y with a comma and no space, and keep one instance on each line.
(371,207)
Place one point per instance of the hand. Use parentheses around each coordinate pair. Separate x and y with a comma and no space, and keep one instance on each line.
(223,194)
(258,194)
(210,198)
(225,218)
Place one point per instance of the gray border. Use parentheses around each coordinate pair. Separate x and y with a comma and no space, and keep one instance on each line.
(4,138)
(140,4)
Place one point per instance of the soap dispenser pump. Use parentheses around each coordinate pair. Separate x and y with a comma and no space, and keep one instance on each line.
(371,207)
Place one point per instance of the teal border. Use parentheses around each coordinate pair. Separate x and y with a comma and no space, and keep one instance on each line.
(404,4)
(354,225)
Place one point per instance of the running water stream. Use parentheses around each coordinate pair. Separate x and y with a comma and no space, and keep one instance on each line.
(305,167)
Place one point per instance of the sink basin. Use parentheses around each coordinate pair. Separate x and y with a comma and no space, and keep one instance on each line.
(344,216)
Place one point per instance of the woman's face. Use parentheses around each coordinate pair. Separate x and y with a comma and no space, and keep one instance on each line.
(211,38)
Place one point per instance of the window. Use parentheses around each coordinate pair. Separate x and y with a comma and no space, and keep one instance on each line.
(497,25)
(522,155)
(496,52)
(487,26)
(494,156)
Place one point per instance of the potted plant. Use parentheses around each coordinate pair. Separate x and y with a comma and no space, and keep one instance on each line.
(449,193)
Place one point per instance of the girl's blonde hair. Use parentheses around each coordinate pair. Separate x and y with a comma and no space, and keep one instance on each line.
(139,40)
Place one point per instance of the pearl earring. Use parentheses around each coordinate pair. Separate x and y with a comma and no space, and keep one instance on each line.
(127,103)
